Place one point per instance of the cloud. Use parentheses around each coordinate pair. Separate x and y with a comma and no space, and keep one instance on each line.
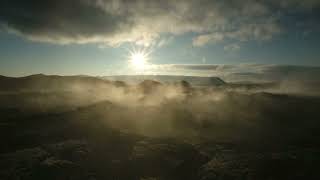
(231,47)
(165,41)
(114,22)
(246,32)
(190,69)
(206,38)
(241,72)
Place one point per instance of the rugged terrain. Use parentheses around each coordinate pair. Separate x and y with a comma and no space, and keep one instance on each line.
(55,127)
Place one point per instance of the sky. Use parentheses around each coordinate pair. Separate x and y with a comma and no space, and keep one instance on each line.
(98,37)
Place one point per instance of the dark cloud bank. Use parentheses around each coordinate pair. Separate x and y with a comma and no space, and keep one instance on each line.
(116,21)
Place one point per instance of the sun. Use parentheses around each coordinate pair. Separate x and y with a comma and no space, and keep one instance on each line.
(138,59)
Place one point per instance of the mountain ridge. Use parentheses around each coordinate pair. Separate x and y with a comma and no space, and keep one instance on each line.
(53,82)
(193,80)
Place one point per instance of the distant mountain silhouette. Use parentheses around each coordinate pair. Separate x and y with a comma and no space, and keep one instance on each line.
(41,82)
(193,80)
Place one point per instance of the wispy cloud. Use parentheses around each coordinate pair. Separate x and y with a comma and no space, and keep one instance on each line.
(231,47)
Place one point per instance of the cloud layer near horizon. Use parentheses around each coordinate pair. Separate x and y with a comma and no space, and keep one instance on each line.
(242,72)
(114,22)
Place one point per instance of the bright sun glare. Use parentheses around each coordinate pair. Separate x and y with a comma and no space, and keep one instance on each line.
(138,59)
